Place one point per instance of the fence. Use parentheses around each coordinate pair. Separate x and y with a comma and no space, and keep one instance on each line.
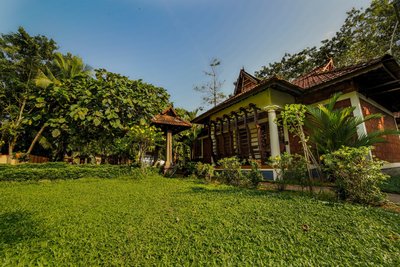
(32,159)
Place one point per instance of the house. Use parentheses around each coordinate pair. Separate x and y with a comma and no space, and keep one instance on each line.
(244,125)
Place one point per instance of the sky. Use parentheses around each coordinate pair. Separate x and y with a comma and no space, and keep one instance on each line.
(169,43)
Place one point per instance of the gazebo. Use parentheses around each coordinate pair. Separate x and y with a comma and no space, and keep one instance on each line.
(170,123)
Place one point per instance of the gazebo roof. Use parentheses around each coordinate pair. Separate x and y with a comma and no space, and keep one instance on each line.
(169,119)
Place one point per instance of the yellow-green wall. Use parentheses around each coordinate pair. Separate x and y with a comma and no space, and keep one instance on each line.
(265,98)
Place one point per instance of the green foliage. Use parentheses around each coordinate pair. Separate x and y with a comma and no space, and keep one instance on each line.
(290,168)
(358,177)
(205,170)
(144,137)
(293,117)
(391,185)
(331,128)
(365,34)
(54,171)
(254,175)
(172,222)
(21,57)
(231,172)
(54,100)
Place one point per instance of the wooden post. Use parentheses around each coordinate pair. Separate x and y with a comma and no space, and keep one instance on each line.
(216,140)
(230,136)
(221,133)
(260,146)
(168,157)
(248,134)
(211,143)
(238,150)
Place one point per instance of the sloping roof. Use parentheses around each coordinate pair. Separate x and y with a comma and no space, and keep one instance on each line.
(245,82)
(170,117)
(319,77)
(274,81)
(327,73)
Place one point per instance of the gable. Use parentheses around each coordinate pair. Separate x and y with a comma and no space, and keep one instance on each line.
(245,82)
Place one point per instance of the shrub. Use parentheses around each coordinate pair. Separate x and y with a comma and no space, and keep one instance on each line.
(358,177)
(254,175)
(205,171)
(53,171)
(188,168)
(290,169)
(231,172)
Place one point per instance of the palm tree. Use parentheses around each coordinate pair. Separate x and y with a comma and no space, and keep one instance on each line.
(331,128)
(63,68)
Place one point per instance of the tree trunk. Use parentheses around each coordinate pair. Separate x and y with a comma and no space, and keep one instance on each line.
(11,146)
(38,134)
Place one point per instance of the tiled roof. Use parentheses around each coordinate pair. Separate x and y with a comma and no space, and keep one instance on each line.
(319,76)
(169,117)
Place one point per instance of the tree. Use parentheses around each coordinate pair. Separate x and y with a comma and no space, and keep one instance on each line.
(144,139)
(55,96)
(293,117)
(187,138)
(330,129)
(365,34)
(106,107)
(212,90)
(21,57)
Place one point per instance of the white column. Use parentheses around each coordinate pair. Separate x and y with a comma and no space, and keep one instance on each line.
(273,133)
(355,102)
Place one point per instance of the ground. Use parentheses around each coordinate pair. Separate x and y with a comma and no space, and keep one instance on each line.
(156,221)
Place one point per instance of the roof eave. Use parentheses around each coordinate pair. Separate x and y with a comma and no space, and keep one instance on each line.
(275,83)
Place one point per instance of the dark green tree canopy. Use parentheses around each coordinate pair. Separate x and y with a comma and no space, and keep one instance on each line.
(365,34)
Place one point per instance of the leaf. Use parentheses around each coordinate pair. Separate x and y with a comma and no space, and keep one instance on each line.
(97,121)
(55,133)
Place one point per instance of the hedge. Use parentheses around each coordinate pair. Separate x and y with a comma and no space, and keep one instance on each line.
(60,170)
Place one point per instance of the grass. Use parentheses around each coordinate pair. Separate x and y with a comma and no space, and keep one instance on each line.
(392,185)
(159,221)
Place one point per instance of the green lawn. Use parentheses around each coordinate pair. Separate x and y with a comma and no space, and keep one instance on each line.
(174,222)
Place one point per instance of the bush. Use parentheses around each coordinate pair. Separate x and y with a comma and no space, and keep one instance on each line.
(231,172)
(290,169)
(188,168)
(59,170)
(358,177)
(205,171)
(254,175)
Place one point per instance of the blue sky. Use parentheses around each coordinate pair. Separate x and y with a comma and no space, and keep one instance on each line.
(170,42)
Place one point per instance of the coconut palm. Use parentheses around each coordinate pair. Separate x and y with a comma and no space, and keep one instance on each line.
(64,67)
(330,129)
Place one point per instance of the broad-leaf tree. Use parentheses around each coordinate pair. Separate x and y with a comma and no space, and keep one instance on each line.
(365,34)
(21,56)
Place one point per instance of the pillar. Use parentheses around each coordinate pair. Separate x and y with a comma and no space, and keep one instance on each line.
(238,149)
(259,138)
(273,131)
(168,158)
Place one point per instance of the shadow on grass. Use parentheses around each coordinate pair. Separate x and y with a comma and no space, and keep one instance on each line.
(249,193)
(244,192)
(18,226)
